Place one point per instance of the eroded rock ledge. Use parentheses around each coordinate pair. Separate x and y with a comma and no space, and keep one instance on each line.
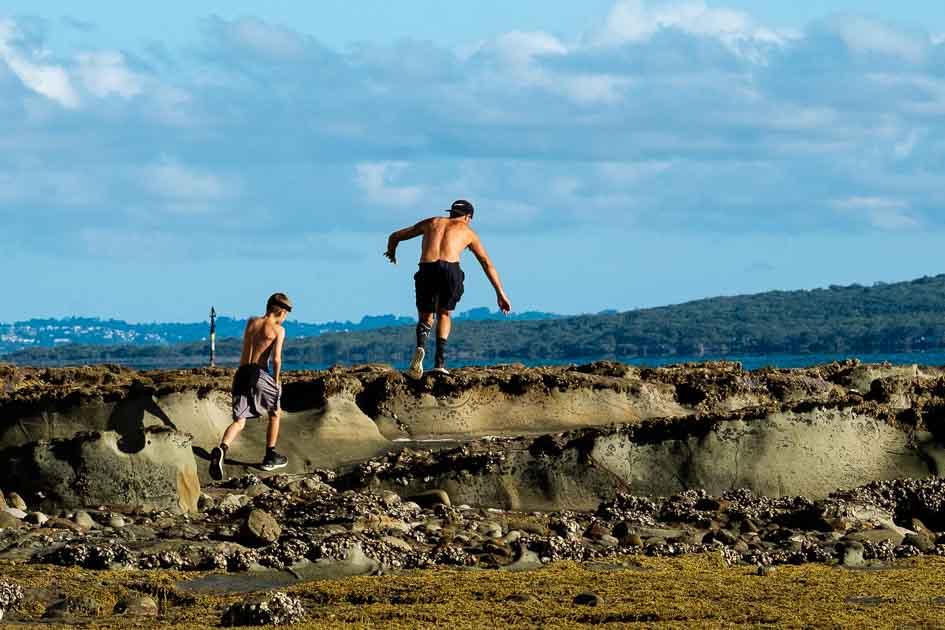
(566,437)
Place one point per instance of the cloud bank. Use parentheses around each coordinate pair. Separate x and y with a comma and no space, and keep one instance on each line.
(667,117)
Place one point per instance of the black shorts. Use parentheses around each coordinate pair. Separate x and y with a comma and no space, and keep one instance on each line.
(439,286)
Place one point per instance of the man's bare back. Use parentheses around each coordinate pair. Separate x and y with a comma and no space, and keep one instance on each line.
(445,239)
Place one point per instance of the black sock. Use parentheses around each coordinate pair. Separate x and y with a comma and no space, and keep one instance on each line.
(440,352)
(423,333)
(224,448)
(270,450)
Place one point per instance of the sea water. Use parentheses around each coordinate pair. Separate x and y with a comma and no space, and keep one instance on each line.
(749,362)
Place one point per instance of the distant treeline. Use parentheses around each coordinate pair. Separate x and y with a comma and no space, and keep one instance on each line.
(883,318)
(92,331)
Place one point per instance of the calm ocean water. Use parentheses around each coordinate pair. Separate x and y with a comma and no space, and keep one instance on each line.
(749,362)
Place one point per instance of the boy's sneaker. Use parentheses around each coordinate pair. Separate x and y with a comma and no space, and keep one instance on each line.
(216,464)
(416,366)
(439,370)
(273,461)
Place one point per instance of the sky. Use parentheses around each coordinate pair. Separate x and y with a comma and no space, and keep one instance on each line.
(157,160)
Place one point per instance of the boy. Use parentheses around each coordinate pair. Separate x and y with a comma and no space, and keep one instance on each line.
(255,390)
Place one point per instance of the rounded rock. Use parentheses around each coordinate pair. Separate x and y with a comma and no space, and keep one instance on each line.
(16,501)
(851,553)
(431,498)
(261,528)
(587,599)
(84,520)
(632,540)
(142,606)
(276,609)
(36,518)
(7,520)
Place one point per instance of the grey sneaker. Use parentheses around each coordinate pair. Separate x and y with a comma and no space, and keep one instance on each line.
(274,461)
(416,366)
(439,370)
(216,464)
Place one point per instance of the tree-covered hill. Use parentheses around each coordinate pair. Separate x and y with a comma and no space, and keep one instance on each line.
(897,317)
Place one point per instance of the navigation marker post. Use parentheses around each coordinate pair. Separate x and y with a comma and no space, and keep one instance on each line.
(213,337)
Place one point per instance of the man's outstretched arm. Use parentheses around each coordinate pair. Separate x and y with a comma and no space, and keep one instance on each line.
(492,273)
(402,235)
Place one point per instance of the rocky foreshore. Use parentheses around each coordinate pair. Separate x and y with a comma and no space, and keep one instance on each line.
(502,468)
(303,525)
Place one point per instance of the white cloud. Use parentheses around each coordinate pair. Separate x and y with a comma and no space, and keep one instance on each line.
(51,81)
(520,48)
(635,21)
(679,127)
(45,186)
(105,73)
(521,55)
(593,89)
(376,181)
(171,180)
(264,39)
(880,212)
(903,149)
(866,35)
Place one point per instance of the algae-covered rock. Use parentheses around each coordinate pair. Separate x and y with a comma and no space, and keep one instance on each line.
(10,595)
(271,609)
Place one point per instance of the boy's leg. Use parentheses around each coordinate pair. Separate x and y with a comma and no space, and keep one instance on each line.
(272,433)
(273,460)
(232,431)
(218,454)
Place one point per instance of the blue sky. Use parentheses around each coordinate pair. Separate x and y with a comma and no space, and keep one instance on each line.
(621,153)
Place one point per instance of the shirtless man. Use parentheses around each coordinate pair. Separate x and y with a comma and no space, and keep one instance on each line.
(439,282)
(255,390)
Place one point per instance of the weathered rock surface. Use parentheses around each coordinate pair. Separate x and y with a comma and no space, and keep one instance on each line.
(714,425)
(92,469)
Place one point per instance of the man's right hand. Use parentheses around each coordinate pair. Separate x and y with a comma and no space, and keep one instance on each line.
(391,256)
(504,305)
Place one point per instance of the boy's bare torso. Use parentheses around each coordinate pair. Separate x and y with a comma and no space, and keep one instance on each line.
(258,341)
(445,239)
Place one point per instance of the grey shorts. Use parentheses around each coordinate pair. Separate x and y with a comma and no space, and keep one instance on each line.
(254,392)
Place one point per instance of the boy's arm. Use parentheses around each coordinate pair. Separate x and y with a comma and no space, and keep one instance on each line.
(277,357)
(403,235)
(492,273)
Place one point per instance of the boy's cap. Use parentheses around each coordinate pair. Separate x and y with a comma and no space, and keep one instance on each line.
(280,300)
(461,206)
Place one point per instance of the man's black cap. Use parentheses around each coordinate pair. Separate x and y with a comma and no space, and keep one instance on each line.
(461,207)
